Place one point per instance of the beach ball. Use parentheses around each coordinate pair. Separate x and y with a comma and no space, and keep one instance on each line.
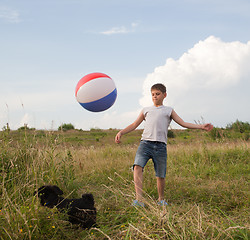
(96,92)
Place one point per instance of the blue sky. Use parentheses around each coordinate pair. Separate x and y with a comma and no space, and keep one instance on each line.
(199,49)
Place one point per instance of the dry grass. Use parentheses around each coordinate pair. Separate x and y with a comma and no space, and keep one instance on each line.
(207,190)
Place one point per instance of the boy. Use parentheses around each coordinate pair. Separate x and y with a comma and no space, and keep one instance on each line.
(154,139)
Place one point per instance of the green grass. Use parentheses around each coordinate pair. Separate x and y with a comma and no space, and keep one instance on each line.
(207,186)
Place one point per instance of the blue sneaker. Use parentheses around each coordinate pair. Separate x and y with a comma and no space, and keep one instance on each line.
(163,203)
(136,203)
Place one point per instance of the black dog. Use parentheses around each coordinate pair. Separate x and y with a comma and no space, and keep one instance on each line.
(81,210)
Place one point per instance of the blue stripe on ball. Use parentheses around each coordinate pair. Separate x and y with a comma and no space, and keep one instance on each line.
(101,104)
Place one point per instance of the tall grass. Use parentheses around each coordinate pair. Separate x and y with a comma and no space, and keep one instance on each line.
(207,189)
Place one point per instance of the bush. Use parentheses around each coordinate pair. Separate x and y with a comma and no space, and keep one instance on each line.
(216,133)
(239,126)
(171,134)
(6,128)
(66,127)
(25,127)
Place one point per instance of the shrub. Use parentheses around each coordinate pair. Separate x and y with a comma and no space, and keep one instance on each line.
(66,127)
(6,128)
(216,133)
(171,134)
(239,126)
(25,127)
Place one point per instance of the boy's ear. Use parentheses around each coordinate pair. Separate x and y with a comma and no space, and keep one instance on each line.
(165,94)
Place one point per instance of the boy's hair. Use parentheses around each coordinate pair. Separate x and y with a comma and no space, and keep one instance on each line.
(159,86)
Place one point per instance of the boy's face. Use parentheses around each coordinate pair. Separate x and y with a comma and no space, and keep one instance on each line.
(157,97)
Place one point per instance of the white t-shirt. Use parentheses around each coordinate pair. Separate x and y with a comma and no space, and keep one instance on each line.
(157,120)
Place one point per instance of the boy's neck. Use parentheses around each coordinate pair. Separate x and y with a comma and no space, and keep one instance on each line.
(158,105)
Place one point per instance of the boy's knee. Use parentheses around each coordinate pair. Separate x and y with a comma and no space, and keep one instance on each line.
(138,168)
(160,178)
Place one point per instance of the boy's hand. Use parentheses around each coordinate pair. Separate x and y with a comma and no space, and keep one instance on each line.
(118,137)
(208,127)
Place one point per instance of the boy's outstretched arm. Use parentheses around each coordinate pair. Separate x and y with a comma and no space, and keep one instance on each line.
(129,128)
(177,119)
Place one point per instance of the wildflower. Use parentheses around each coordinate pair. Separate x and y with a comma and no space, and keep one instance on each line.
(53,226)
(122,226)
(20,230)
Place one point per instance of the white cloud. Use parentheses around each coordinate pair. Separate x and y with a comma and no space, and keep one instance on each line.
(9,15)
(205,75)
(109,120)
(116,30)
(210,64)
(121,30)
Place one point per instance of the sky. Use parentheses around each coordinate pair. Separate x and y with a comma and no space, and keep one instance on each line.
(200,49)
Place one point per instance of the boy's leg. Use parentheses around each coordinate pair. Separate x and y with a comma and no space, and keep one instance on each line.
(160,165)
(138,180)
(160,187)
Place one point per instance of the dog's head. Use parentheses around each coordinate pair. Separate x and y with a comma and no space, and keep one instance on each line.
(49,195)
(88,200)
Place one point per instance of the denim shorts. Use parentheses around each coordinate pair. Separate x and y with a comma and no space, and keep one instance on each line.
(157,151)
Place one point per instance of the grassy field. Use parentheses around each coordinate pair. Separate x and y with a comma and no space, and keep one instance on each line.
(207,185)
